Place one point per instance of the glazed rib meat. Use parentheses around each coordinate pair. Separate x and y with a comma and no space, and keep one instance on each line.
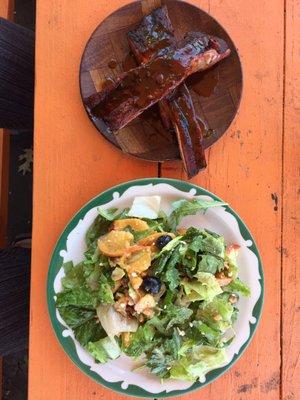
(140,88)
(153,37)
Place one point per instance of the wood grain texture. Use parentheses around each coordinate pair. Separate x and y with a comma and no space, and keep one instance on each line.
(16,76)
(244,168)
(6,7)
(4,176)
(72,164)
(146,137)
(5,12)
(290,205)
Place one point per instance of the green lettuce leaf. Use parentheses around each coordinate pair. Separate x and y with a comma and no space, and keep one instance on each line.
(171,275)
(217,314)
(99,227)
(163,356)
(74,276)
(172,278)
(206,334)
(104,349)
(168,256)
(182,208)
(204,241)
(197,363)
(209,263)
(105,291)
(171,316)
(231,261)
(140,341)
(206,287)
(76,316)
(112,214)
(238,286)
(79,297)
(90,331)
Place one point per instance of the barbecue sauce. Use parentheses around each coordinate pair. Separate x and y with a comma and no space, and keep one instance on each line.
(112,64)
(129,62)
(138,89)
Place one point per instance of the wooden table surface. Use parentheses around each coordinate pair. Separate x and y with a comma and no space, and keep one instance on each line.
(254,167)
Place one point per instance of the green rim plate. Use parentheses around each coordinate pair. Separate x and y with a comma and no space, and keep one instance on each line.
(56,262)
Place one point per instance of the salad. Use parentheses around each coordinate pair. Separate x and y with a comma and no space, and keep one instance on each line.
(164,295)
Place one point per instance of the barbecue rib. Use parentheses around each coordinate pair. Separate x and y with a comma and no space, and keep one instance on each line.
(140,88)
(155,36)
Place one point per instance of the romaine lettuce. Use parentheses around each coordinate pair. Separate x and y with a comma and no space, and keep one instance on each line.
(238,286)
(104,349)
(197,363)
(206,287)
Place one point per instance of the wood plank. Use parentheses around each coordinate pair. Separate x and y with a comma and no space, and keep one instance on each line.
(6,8)
(291,204)
(72,164)
(245,168)
(4,177)
(6,11)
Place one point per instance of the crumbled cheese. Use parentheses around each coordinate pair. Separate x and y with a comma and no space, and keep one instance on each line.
(181,333)
(145,207)
(122,305)
(191,324)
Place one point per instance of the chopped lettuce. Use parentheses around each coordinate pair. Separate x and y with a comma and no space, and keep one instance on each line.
(197,363)
(170,316)
(172,278)
(217,314)
(231,261)
(99,227)
(112,214)
(105,291)
(193,315)
(206,334)
(238,286)
(163,356)
(182,208)
(206,287)
(104,349)
(209,263)
(140,341)
(76,316)
(79,297)
(89,331)
(74,276)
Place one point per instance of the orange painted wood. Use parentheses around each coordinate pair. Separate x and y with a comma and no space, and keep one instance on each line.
(6,8)
(245,168)
(291,204)
(72,163)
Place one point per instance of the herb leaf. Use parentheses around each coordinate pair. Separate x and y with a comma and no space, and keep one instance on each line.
(182,208)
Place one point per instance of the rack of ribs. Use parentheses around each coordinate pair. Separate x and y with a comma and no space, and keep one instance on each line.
(155,37)
(138,89)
